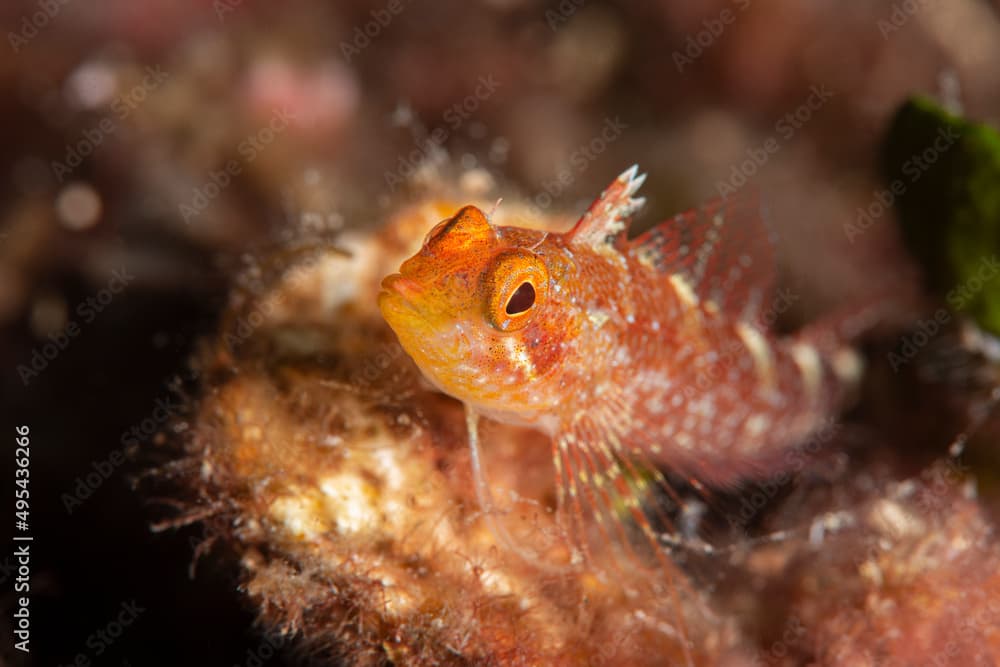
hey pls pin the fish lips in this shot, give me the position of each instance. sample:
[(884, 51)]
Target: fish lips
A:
[(396, 301), (398, 284)]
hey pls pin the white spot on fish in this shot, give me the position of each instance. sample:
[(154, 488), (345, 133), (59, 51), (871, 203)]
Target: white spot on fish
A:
[(807, 359), (847, 364), (756, 425), (519, 356), (598, 317), (683, 290), (760, 349)]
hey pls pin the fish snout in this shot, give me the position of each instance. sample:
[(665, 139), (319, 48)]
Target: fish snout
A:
[(399, 301), (404, 287)]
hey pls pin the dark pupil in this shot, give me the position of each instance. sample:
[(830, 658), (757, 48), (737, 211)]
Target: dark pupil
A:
[(522, 299)]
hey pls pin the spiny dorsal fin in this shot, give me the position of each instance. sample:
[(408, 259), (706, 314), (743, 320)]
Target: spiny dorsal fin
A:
[(723, 250), (606, 221)]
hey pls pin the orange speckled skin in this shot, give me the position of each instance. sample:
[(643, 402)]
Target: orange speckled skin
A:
[(612, 341), (437, 307)]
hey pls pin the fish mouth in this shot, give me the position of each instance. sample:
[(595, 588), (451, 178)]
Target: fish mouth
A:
[(397, 299), (403, 287)]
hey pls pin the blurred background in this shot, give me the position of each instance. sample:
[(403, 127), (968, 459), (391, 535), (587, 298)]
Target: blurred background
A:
[(151, 149)]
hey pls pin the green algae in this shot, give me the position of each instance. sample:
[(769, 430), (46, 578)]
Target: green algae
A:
[(948, 169)]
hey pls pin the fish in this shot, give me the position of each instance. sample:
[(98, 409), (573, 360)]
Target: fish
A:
[(637, 357)]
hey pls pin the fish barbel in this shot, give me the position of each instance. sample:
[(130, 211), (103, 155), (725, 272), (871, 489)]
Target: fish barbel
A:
[(634, 355)]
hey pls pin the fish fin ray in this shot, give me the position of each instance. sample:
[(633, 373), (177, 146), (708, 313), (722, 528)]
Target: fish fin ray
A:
[(600, 497), (617, 482), (607, 220), (485, 497), (723, 250)]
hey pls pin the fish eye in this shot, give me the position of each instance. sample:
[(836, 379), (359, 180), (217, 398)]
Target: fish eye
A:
[(515, 283), (522, 299), (435, 230)]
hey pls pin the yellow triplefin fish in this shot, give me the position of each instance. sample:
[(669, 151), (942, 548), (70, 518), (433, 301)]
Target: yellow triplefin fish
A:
[(634, 356)]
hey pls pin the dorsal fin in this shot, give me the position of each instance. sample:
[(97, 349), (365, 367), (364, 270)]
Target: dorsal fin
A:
[(723, 250), (606, 221)]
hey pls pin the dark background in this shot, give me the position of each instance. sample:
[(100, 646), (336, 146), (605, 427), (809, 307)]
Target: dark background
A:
[(564, 68)]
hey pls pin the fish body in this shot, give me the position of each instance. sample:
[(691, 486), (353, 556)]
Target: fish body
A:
[(631, 354)]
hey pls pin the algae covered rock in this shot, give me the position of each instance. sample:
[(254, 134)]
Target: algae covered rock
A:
[(945, 171)]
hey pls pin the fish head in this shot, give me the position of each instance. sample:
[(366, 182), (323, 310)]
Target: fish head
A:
[(472, 308)]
